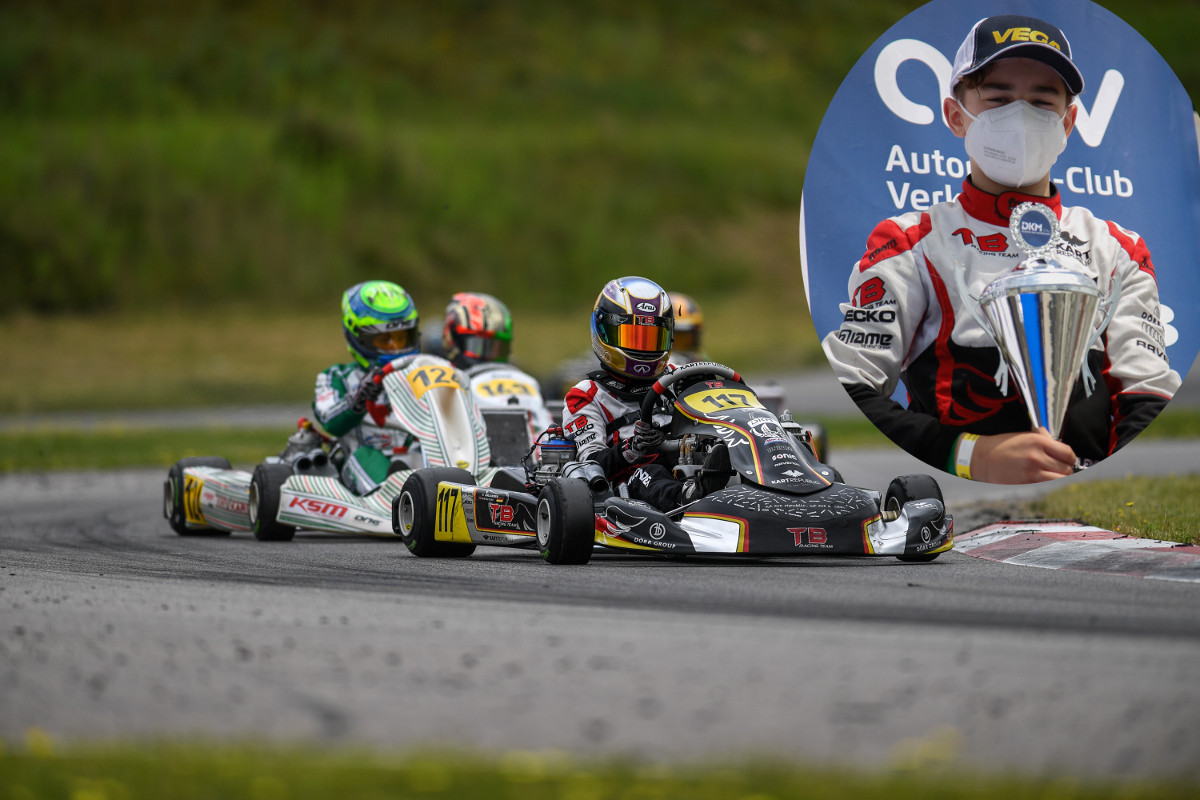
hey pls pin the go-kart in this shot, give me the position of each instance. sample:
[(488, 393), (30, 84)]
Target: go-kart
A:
[(301, 487), (779, 499)]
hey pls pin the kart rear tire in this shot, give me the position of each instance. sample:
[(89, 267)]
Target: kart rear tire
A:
[(173, 508), (264, 503), (904, 488), (414, 513), (566, 522)]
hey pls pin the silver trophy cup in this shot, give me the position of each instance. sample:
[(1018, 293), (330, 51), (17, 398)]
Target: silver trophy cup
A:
[(1043, 318)]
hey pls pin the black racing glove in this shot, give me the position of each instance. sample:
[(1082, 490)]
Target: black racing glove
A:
[(369, 389), (645, 440)]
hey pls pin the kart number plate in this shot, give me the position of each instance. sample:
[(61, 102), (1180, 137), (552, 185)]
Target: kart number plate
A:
[(422, 379), (499, 387), (710, 400), (193, 488)]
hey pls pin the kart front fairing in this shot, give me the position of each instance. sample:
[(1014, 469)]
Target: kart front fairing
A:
[(760, 450), (748, 520)]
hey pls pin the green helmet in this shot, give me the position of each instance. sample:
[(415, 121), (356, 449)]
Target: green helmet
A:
[(380, 322)]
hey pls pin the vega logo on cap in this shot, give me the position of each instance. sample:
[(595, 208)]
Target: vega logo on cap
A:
[(1024, 35)]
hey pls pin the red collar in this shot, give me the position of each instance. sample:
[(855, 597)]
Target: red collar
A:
[(994, 209)]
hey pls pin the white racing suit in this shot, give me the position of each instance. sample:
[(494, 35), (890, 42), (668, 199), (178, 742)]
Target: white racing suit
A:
[(906, 321), (599, 415), (371, 447)]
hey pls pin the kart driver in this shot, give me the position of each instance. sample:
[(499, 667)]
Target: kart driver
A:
[(687, 345), (477, 338), (631, 329), (379, 321), (1011, 99)]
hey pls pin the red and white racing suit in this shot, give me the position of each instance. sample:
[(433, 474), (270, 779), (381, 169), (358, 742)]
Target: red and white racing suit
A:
[(599, 415), (906, 321)]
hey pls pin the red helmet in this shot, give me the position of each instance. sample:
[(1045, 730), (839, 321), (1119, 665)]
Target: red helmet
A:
[(478, 329), (632, 328)]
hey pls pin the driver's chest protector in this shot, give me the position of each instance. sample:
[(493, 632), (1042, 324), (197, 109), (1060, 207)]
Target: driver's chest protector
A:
[(597, 417)]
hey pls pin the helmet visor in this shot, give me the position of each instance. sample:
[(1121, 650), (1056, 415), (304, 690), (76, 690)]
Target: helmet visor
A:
[(391, 341), (636, 332), (484, 348), (687, 341)]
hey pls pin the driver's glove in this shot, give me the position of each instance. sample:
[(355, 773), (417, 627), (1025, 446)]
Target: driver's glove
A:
[(645, 440), (368, 390)]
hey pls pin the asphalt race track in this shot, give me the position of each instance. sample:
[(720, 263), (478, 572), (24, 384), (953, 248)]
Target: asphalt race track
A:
[(113, 626)]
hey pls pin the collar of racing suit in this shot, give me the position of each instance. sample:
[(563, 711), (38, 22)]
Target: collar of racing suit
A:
[(996, 208), (627, 390)]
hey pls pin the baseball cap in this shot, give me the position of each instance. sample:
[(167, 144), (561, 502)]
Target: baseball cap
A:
[(1013, 35)]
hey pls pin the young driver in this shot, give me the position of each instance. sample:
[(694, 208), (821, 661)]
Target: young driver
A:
[(1011, 99), (631, 329)]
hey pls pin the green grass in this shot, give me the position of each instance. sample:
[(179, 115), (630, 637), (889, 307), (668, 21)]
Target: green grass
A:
[(127, 448), (235, 356), (1146, 507), (192, 772)]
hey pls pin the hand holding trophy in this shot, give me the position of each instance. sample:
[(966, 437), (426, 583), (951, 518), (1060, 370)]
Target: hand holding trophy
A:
[(1042, 316)]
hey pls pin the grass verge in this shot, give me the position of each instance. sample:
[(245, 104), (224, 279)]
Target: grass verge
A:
[(129, 448), (191, 772), (1145, 507)]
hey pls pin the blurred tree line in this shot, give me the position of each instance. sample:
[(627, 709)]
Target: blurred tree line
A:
[(167, 152)]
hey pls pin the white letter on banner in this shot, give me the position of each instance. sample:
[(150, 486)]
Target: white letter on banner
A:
[(886, 67), (1093, 125)]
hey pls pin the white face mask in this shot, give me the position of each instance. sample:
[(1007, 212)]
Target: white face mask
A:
[(1015, 144)]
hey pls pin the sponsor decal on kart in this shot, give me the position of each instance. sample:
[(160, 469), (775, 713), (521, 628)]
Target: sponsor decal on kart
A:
[(811, 537), (317, 508), (494, 513), (232, 505)]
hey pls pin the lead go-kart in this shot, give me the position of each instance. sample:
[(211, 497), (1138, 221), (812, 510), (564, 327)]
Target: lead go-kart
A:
[(426, 396), (779, 500)]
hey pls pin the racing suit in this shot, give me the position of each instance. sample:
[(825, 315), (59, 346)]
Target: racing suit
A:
[(906, 321), (372, 448), (599, 415)]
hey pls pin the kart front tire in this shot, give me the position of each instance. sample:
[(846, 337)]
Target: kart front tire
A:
[(173, 498), (265, 484), (414, 513), (566, 522), (904, 488)]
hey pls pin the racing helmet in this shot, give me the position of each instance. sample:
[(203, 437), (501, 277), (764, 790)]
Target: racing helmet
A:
[(689, 323), (632, 327), (380, 322), (478, 330)]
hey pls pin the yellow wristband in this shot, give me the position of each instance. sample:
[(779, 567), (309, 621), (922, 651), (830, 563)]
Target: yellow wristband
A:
[(962, 454)]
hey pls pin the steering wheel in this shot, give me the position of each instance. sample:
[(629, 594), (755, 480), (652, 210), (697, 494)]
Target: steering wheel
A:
[(690, 373)]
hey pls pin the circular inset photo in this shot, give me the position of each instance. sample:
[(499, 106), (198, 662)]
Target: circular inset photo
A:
[(1000, 223)]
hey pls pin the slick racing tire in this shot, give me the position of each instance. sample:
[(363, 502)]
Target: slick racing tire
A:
[(566, 522), (264, 503), (414, 513), (912, 487), (173, 499)]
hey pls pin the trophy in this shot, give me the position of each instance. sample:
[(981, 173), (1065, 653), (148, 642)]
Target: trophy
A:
[(1042, 316)]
